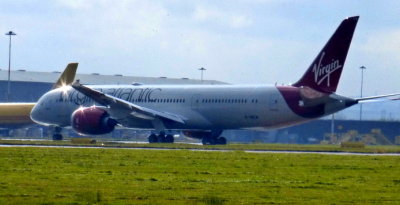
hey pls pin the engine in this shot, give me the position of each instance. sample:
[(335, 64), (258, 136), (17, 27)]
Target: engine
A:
[(92, 121)]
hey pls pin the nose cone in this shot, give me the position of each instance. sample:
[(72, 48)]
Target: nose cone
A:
[(39, 112), (49, 110)]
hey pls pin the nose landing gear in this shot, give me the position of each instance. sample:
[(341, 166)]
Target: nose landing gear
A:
[(57, 133)]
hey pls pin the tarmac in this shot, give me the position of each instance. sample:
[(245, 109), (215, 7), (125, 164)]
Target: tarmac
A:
[(210, 150)]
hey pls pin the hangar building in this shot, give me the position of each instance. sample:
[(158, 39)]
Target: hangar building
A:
[(28, 86)]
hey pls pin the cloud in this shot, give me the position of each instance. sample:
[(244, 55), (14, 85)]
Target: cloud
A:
[(378, 51), (245, 42), (261, 1), (107, 24), (226, 18), (76, 4), (384, 45), (133, 15), (144, 34)]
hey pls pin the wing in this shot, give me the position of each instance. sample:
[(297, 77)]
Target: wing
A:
[(120, 108)]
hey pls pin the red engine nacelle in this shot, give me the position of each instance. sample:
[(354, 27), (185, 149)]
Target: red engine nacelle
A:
[(92, 121)]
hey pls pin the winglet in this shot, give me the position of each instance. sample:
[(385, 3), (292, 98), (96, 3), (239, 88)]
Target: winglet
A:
[(67, 77)]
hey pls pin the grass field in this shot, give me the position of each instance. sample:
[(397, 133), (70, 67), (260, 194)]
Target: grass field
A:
[(120, 176)]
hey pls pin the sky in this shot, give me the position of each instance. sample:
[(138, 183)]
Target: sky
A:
[(239, 42)]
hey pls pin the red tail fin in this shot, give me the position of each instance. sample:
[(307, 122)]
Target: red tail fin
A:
[(324, 73)]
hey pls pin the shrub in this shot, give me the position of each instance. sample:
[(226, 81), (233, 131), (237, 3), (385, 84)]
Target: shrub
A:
[(83, 141)]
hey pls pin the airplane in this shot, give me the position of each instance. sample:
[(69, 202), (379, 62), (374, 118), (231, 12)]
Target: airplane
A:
[(204, 111), (15, 115)]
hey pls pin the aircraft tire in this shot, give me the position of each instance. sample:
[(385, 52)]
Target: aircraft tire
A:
[(204, 141), (57, 137), (207, 140), (221, 140), (153, 138), (169, 139)]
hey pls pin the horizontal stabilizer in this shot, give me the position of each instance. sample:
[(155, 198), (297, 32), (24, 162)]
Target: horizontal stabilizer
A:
[(379, 98)]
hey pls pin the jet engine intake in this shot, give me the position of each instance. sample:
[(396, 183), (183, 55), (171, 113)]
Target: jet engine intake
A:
[(92, 121)]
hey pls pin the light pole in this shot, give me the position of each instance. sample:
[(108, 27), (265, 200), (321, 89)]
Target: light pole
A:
[(202, 70), (361, 91), (10, 33), (332, 128)]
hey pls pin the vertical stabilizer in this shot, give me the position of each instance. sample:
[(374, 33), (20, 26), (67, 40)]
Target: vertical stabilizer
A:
[(324, 73), (67, 77)]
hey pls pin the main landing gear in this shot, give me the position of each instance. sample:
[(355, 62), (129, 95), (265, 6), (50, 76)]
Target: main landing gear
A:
[(161, 138), (212, 140), (212, 137)]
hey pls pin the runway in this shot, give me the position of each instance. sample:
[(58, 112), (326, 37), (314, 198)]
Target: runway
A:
[(212, 150)]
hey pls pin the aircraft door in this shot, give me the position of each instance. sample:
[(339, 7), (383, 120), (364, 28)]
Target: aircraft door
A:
[(273, 102), (195, 101)]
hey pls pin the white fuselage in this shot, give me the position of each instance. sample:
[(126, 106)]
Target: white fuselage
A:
[(204, 107)]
